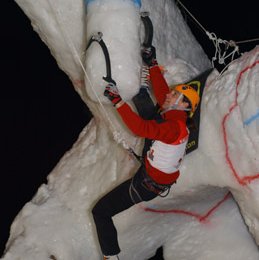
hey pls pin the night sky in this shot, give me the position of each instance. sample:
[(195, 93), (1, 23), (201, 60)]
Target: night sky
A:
[(42, 115)]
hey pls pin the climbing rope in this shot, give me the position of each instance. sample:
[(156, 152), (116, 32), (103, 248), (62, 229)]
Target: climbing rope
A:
[(220, 55), (117, 135)]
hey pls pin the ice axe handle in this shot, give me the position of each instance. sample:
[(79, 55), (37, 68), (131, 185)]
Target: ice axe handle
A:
[(148, 26)]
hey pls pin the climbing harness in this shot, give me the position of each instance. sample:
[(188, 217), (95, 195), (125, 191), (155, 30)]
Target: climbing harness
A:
[(145, 181), (162, 190)]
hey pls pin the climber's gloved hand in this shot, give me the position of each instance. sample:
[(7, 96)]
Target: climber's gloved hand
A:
[(112, 93), (149, 56)]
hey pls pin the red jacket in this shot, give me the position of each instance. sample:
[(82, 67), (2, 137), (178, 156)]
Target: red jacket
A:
[(169, 131)]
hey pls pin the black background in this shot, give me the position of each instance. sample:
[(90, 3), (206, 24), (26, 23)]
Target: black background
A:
[(42, 115)]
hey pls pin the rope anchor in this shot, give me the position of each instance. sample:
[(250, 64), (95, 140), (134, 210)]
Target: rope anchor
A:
[(221, 57), (217, 41)]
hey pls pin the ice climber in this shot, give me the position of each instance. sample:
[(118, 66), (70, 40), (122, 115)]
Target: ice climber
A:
[(166, 135)]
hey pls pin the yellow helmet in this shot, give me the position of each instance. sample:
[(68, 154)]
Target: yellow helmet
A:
[(190, 93)]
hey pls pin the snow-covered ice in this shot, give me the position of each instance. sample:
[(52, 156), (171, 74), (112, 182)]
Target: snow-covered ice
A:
[(212, 212)]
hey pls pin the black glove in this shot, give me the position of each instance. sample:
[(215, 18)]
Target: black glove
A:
[(149, 56), (112, 93)]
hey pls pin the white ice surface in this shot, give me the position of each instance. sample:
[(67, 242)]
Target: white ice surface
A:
[(199, 220)]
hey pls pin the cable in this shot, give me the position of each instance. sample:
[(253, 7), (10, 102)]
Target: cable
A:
[(251, 40), (191, 15)]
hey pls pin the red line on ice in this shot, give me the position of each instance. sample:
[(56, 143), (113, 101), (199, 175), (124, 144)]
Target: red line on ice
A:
[(198, 216), (246, 179)]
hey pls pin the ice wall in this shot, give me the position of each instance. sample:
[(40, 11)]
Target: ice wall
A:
[(57, 223)]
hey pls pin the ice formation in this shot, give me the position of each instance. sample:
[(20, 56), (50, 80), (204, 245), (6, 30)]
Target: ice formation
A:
[(200, 218)]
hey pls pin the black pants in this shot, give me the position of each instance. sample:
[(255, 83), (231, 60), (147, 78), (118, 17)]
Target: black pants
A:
[(126, 194), (119, 199)]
